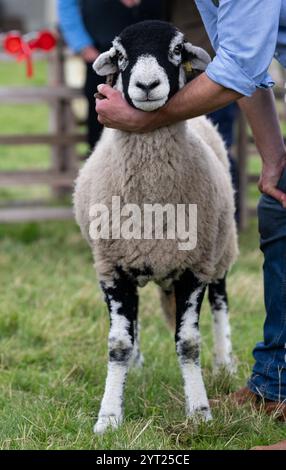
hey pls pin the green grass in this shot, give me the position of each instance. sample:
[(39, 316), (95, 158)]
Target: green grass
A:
[(53, 335), (54, 326)]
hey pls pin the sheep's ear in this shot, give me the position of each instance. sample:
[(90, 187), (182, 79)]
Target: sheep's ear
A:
[(196, 58), (106, 63)]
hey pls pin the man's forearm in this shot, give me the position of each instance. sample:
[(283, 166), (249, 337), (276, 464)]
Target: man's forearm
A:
[(262, 116), (201, 96)]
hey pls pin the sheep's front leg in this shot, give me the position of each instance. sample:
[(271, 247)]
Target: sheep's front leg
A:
[(222, 333), (122, 300), (189, 296)]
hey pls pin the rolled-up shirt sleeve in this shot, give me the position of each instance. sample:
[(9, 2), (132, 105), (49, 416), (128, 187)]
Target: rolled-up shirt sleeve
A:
[(244, 36), (72, 26)]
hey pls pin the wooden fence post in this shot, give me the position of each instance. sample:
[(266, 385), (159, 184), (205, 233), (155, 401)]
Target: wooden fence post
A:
[(62, 121)]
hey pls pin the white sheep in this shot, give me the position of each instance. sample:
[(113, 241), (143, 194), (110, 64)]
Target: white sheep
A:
[(172, 167)]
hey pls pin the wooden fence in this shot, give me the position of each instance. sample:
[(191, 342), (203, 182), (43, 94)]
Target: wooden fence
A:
[(61, 139)]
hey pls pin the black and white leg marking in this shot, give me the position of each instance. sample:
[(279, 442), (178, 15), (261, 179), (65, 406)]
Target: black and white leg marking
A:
[(222, 333), (122, 300), (137, 357), (189, 296)]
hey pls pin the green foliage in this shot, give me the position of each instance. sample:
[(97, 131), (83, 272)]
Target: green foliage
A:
[(53, 353)]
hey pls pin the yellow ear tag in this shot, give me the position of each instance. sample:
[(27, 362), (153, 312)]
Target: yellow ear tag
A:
[(188, 67)]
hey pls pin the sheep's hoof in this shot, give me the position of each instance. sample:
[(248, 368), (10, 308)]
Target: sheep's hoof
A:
[(105, 422), (200, 414)]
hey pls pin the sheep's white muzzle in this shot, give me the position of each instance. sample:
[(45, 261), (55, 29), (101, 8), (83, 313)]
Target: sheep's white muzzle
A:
[(149, 86), (149, 105)]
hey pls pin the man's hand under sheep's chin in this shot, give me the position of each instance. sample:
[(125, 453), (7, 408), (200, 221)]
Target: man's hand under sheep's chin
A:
[(115, 112)]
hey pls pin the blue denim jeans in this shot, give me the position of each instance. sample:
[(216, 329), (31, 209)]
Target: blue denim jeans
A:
[(269, 372)]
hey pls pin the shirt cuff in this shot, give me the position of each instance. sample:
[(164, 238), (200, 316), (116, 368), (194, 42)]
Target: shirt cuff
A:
[(225, 71)]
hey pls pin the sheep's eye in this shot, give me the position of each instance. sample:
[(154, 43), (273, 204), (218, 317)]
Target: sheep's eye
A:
[(178, 49)]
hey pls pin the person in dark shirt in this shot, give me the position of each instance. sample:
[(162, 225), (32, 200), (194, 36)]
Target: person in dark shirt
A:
[(89, 26)]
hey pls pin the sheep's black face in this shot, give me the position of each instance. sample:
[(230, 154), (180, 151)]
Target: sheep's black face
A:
[(149, 58)]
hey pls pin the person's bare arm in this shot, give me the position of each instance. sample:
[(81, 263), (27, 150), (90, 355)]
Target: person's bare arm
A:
[(198, 97), (262, 116)]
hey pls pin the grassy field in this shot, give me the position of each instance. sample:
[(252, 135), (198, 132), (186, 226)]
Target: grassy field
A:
[(53, 335)]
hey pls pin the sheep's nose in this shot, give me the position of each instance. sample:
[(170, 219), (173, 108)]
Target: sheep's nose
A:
[(149, 87)]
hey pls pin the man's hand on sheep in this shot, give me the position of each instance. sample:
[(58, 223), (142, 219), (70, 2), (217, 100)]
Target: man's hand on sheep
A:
[(115, 112), (201, 96)]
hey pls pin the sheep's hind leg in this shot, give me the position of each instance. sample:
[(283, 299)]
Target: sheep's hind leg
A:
[(137, 360), (222, 332), (189, 296), (122, 300)]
